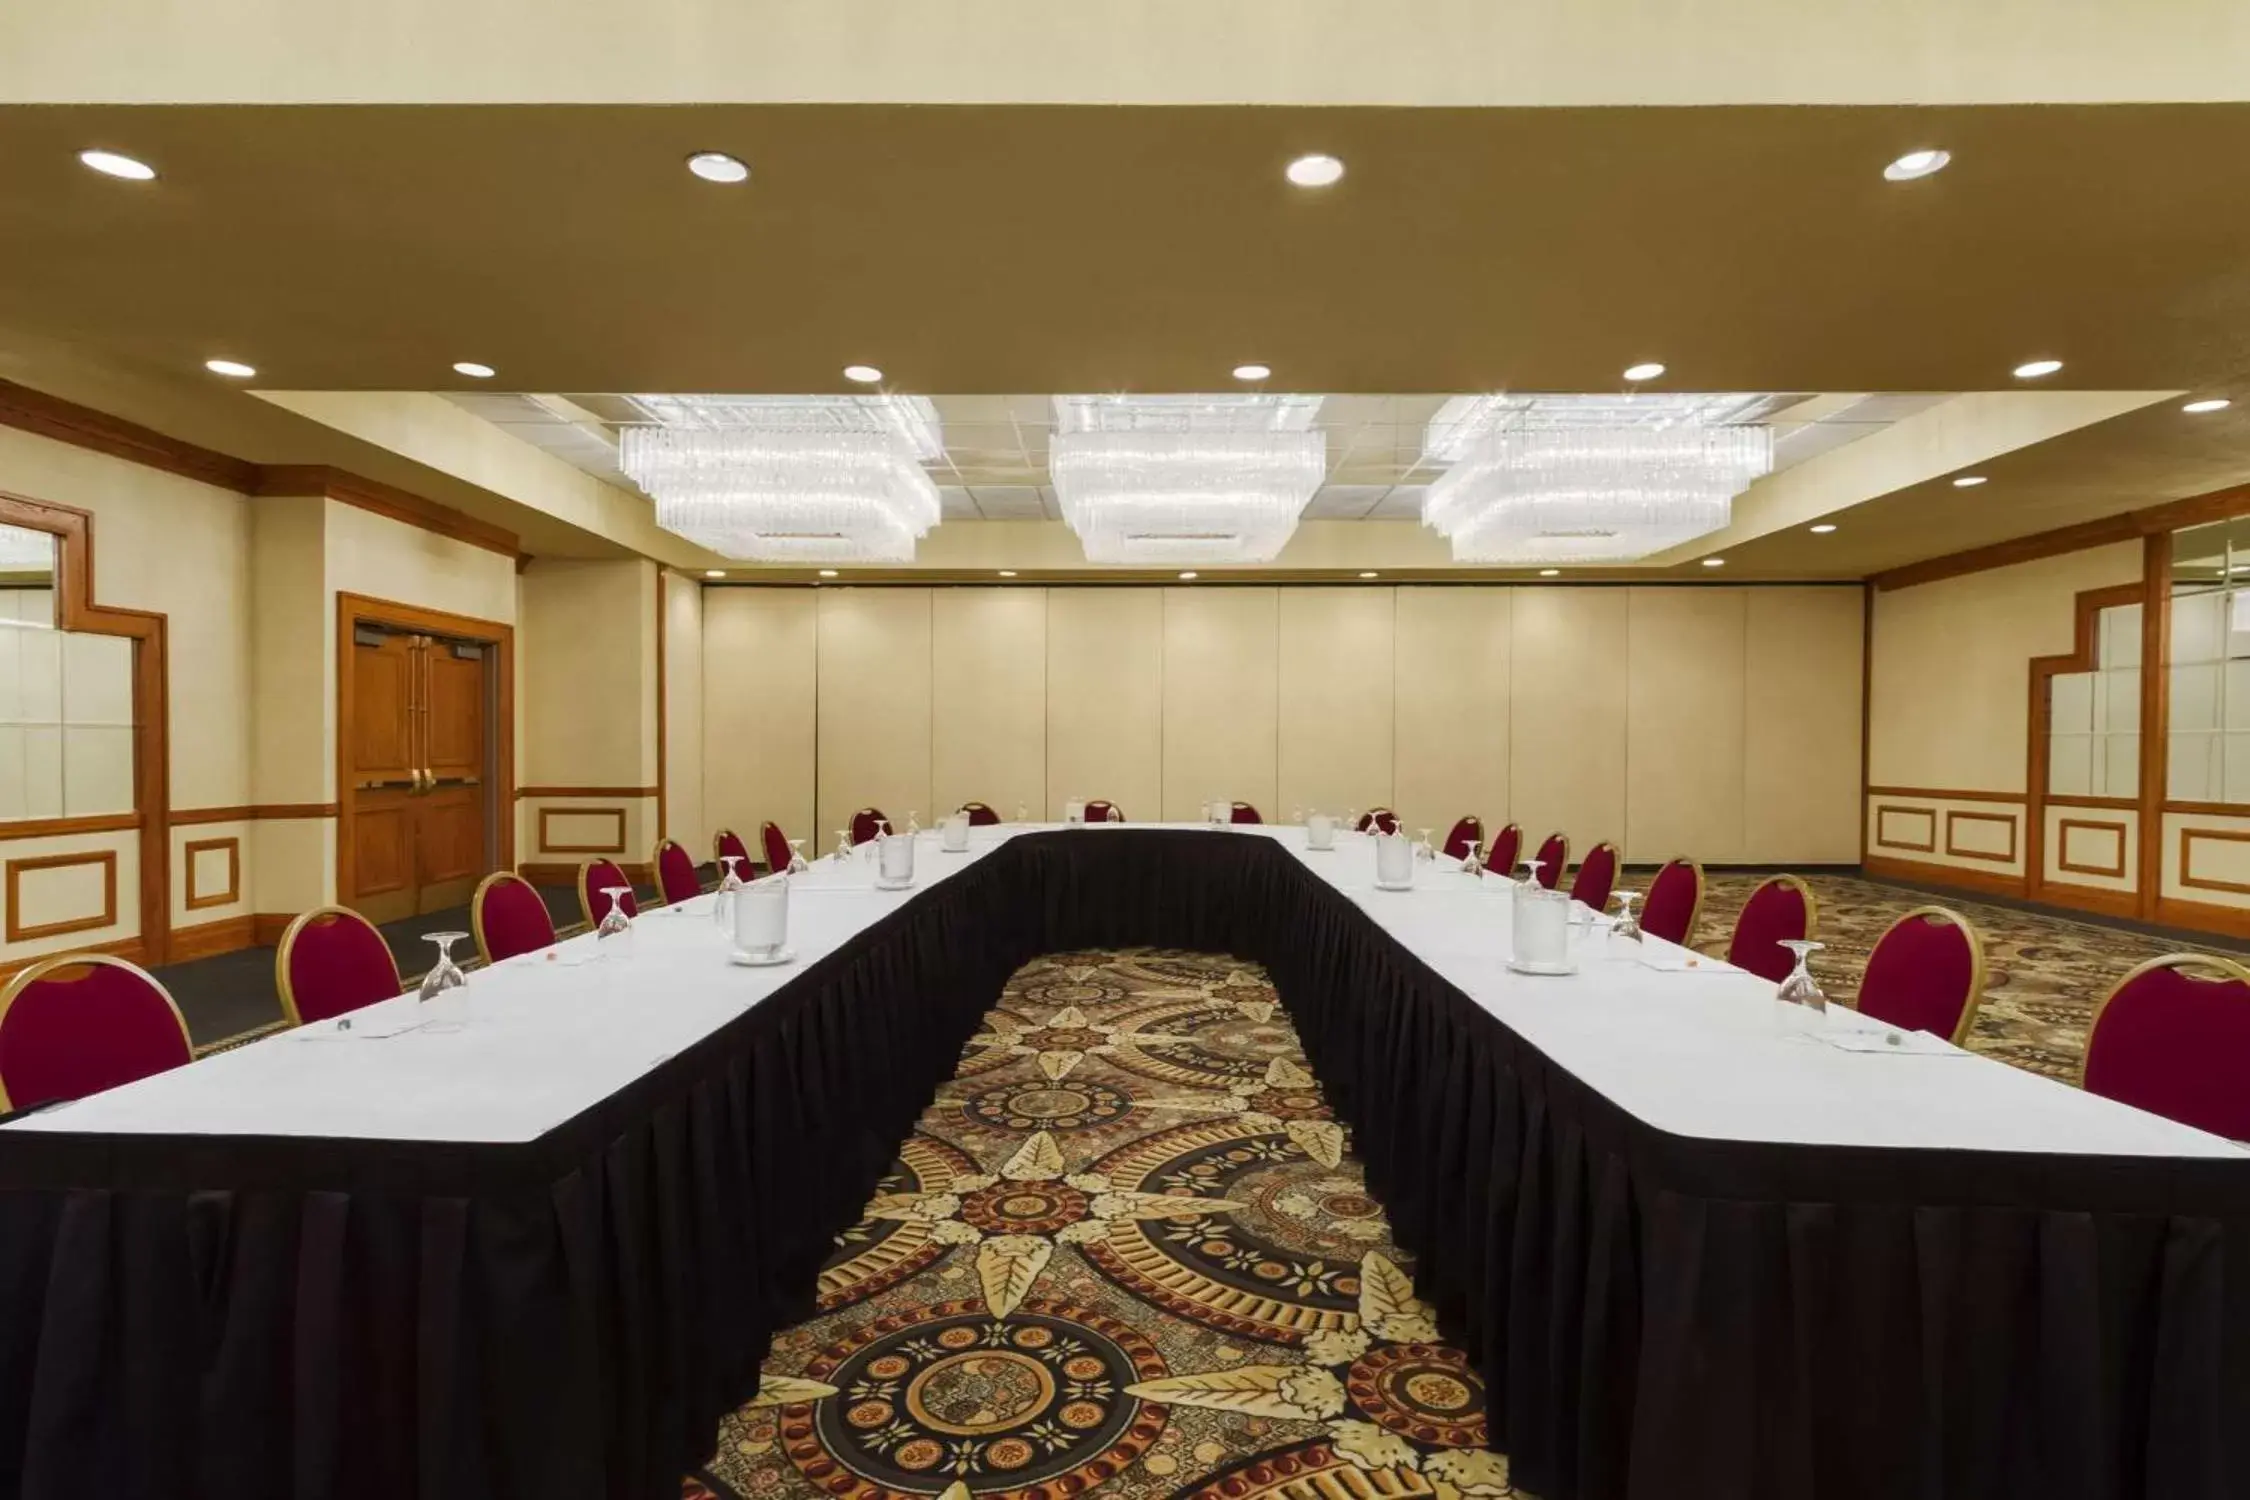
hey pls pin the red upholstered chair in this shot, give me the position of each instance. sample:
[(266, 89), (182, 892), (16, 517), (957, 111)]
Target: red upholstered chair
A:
[(1382, 819), (596, 876), (778, 852), (866, 823), (508, 916), (1507, 848), (1553, 855), (725, 842), (1926, 974), (1244, 813), (1466, 831), (331, 962), (982, 816), (79, 1023), (1597, 876), (1781, 909), (674, 871), (1674, 902), (1103, 812), (2174, 1039)]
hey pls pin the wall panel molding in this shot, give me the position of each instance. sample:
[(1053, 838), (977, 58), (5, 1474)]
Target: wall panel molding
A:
[(1954, 847), (198, 897), (19, 931), (1924, 842), (2189, 836), (2114, 869), (612, 844)]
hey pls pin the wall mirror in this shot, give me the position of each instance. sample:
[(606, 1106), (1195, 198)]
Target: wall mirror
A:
[(2094, 717), (66, 697), (2208, 752)]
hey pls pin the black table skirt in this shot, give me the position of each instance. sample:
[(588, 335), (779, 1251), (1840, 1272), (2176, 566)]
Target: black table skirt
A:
[(1654, 1316)]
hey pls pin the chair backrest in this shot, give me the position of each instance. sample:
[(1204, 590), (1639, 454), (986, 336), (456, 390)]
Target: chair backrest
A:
[(508, 916), (1244, 813), (1553, 854), (778, 852), (2173, 1038), (79, 1023), (674, 871), (982, 816), (1466, 831), (596, 876), (1382, 819), (331, 962), (1781, 909), (1103, 812), (725, 842), (866, 823), (1925, 974), (1507, 848), (1675, 901), (1597, 876)]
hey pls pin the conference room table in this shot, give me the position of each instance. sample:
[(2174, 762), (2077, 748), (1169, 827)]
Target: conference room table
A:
[(1696, 1243)]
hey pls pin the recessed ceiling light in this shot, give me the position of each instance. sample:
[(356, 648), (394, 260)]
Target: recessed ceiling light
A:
[(472, 369), (1968, 481), (714, 572), (234, 367), (717, 166), (1824, 528), (111, 164), (1917, 164), (1251, 372), (828, 572), (1007, 572), (1648, 371), (1190, 573), (2208, 403), (1369, 574), (2036, 368), (1550, 572), (864, 374), (1714, 562), (1315, 170)]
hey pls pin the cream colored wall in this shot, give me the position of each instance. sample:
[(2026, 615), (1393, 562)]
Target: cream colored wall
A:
[(683, 716), (586, 683), (1714, 721)]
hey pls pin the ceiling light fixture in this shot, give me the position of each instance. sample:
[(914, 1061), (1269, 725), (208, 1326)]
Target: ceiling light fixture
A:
[(1185, 478), (2208, 403), (2036, 369), (1915, 164), (1316, 170), (1190, 573), (115, 164), (863, 374), (799, 479), (1714, 562), (1968, 481), (1007, 572), (1550, 572), (717, 166), (1648, 371), (714, 572), (1368, 575), (234, 368), (472, 369), (1251, 372), (828, 572), (1824, 528)]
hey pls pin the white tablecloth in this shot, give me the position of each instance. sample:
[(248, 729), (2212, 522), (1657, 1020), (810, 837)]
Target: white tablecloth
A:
[(1700, 1052)]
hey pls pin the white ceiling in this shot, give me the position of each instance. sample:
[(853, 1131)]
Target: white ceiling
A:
[(995, 462)]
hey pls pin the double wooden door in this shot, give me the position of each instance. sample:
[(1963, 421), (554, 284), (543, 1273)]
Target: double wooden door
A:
[(418, 736)]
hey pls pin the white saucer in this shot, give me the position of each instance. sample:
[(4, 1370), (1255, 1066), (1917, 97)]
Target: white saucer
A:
[(1379, 885), (752, 961), (1519, 966), (1320, 848), (894, 885)]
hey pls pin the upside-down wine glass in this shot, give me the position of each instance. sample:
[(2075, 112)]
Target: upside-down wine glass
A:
[(843, 843), (447, 1008), (615, 923), (1424, 849), (797, 856), (1800, 988), (1472, 863), (722, 905), (1627, 927)]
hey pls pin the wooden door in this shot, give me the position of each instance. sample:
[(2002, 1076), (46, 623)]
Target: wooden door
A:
[(418, 732)]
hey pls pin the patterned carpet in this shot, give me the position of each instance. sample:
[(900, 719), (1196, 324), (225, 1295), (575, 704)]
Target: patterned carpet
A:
[(1128, 1248)]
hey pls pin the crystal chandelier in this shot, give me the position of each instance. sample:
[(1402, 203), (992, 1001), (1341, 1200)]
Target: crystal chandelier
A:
[(799, 479), (1184, 479), (1525, 488)]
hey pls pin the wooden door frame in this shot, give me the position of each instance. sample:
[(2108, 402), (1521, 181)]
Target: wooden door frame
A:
[(354, 608), (75, 609)]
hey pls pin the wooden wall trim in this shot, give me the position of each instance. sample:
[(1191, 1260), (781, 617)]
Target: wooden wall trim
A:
[(1928, 846), (552, 872), (2111, 804), (1983, 881), (547, 844), (2085, 642), (663, 609), (2209, 809), (130, 949), (1954, 850), (17, 932), (197, 899), (210, 939), (524, 793), (32, 411), (2156, 710), (2098, 825), (1946, 794), (49, 828), (251, 813), (2154, 520), (2188, 836), (386, 500)]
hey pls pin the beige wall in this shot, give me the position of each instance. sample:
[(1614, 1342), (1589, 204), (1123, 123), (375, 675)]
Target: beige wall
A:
[(1721, 722), (586, 682), (684, 819)]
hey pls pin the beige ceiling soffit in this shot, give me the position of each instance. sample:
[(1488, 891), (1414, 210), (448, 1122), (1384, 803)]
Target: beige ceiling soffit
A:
[(1285, 52), (434, 432), (1967, 430)]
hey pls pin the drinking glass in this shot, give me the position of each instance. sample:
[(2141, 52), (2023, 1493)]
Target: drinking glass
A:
[(1113, 815), (1627, 927), (1530, 872), (1424, 849), (1800, 988), (843, 843), (913, 823), (445, 987), (797, 856), (1297, 815), (615, 923), (1023, 813), (1351, 820), (722, 905), (1472, 862)]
